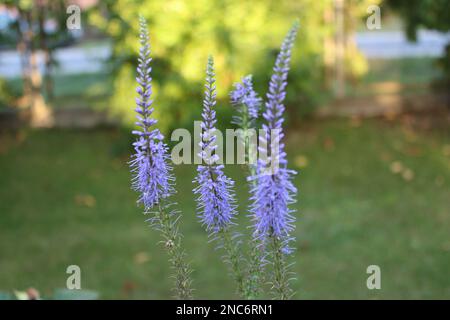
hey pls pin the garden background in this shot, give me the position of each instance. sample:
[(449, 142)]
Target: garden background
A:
[(368, 131)]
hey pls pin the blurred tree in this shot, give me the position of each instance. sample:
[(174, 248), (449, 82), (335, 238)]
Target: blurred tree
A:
[(348, 63), (30, 32), (243, 35), (428, 14), (6, 96), (356, 64)]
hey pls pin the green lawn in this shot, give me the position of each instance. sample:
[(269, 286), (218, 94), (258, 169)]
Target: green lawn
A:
[(65, 199), (402, 75), (403, 70)]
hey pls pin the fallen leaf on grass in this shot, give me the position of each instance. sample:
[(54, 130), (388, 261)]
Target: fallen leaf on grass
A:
[(396, 167), (85, 200), (446, 150), (141, 257), (408, 175), (413, 151), (328, 144), (355, 122), (390, 115), (301, 161), (128, 288)]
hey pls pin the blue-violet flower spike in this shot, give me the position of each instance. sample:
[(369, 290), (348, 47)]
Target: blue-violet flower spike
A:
[(274, 190), (246, 101), (152, 176), (216, 201)]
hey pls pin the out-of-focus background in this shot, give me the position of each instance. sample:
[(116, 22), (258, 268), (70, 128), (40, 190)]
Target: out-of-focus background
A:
[(367, 121)]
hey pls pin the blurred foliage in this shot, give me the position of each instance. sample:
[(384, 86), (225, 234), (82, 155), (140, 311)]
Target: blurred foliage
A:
[(25, 12), (429, 14), (357, 65), (444, 64), (243, 36), (355, 11), (7, 95), (36, 26)]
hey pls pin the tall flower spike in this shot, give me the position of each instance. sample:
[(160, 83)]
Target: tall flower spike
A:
[(246, 101), (274, 190), (216, 200), (152, 176)]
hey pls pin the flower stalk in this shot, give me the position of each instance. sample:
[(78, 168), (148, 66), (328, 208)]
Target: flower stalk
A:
[(233, 258), (274, 191), (247, 103), (216, 201), (152, 174), (165, 222), (271, 187)]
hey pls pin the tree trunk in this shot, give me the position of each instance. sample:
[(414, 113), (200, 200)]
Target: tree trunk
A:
[(46, 51), (41, 114), (340, 50)]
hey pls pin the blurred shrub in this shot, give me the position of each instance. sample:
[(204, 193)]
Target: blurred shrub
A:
[(445, 61), (428, 14), (7, 95), (356, 63), (243, 35)]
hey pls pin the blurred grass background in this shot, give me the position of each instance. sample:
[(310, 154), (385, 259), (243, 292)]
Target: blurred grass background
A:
[(371, 192)]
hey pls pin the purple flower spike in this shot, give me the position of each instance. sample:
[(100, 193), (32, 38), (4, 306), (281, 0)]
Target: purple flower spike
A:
[(216, 201), (274, 190), (247, 102), (152, 176)]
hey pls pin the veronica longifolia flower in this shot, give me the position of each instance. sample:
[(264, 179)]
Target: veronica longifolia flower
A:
[(246, 101), (216, 201), (151, 173), (274, 190)]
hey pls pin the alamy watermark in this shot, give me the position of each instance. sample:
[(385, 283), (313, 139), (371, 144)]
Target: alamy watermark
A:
[(374, 280), (373, 21), (236, 146), (73, 21), (73, 282)]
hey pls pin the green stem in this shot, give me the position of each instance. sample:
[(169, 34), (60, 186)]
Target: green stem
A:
[(176, 253), (234, 259), (255, 273), (254, 279), (255, 267), (280, 281)]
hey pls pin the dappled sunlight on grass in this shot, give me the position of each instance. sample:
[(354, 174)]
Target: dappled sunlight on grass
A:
[(65, 199)]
